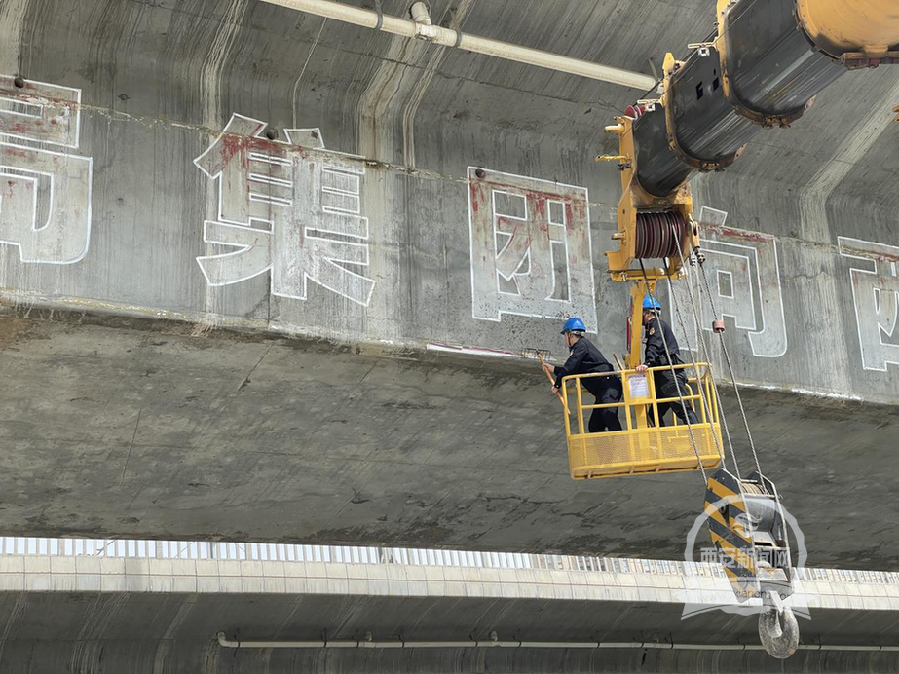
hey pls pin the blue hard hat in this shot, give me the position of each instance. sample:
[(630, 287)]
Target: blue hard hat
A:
[(574, 324), (651, 304)]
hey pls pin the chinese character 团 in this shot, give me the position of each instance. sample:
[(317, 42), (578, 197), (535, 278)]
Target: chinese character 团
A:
[(530, 248), (875, 293), (287, 207), (45, 194)]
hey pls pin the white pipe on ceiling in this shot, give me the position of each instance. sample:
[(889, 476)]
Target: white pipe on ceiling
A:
[(448, 37), (227, 643)]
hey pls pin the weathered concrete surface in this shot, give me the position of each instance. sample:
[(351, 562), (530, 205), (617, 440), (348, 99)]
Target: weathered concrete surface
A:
[(143, 429), (132, 614), (129, 429), (159, 81)]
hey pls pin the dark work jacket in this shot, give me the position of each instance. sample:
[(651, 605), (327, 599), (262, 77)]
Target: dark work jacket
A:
[(585, 358), (655, 347)]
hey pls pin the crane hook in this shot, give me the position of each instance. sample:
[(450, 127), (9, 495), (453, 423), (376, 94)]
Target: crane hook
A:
[(778, 628)]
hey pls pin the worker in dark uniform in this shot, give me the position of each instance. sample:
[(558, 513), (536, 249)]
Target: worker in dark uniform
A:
[(668, 385), (584, 358)]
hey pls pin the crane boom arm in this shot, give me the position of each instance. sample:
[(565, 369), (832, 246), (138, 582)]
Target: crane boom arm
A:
[(761, 69)]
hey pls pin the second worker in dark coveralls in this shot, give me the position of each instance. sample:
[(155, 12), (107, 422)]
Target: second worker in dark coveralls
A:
[(584, 358), (668, 385)]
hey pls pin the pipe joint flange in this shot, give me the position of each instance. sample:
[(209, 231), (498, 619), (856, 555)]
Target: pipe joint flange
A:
[(426, 32), (424, 28)]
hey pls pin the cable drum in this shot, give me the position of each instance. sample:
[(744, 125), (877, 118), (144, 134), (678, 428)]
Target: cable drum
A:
[(659, 234), (750, 488)]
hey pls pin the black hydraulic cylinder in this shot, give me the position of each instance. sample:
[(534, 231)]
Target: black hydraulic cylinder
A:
[(774, 69)]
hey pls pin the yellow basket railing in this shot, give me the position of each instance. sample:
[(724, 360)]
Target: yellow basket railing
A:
[(640, 448)]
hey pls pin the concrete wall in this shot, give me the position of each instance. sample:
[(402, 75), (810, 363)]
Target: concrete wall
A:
[(399, 248)]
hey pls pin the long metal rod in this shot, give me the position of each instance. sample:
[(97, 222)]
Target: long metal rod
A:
[(550, 377), (472, 43), (227, 643)]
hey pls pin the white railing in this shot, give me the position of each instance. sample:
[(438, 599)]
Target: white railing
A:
[(354, 554)]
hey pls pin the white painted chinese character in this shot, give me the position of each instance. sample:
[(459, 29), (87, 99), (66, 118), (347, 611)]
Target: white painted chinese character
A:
[(289, 208), (45, 195), (875, 294), (709, 555), (530, 248), (744, 278)]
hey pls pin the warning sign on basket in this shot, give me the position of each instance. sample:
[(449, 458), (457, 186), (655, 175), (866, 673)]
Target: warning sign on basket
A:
[(639, 385)]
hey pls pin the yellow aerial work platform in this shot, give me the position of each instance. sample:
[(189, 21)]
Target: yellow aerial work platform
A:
[(639, 448)]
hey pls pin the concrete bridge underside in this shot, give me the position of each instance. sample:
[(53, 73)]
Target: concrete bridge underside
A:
[(141, 428)]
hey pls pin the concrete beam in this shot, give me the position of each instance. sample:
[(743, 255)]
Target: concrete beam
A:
[(121, 427), (369, 435), (138, 611)]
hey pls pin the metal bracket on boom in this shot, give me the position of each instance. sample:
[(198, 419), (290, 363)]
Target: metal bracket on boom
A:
[(702, 48), (623, 161), (858, 60)]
